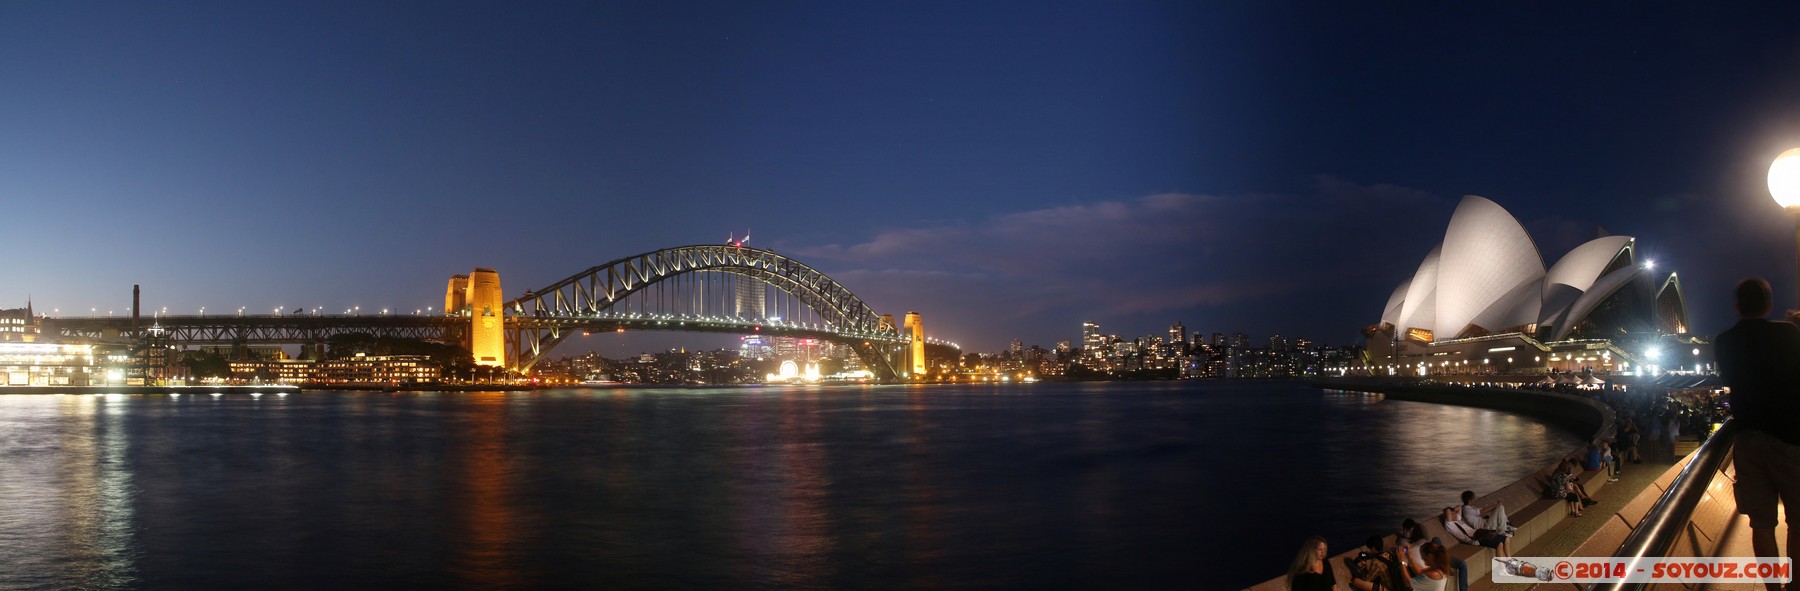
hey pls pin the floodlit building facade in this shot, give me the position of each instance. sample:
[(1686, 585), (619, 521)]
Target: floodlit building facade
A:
[(360, 369), (19, 324), (1483, 301), (46, 364)]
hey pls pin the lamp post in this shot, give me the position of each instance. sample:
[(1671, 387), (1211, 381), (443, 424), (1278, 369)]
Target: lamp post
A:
[(1784, 186)]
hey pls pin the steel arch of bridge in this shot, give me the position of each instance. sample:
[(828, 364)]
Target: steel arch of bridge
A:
[(543, 318)]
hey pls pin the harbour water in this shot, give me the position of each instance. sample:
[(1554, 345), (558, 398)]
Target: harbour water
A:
[(1208, 485)]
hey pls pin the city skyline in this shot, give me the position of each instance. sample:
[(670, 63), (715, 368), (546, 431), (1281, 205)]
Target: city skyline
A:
[(1004, 172)]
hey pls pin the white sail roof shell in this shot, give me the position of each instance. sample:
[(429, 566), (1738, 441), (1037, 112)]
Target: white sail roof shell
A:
[(1391, 313), (1418, 309), (1582, 267), (1488, 274), (1487, 256)]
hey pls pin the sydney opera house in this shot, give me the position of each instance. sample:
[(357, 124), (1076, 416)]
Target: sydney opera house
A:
[(1483, 302)]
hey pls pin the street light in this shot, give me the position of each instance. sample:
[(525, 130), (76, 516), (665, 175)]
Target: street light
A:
[(1784, 186)]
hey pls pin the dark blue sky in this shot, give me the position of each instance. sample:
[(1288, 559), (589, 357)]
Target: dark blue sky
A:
[(1007, 169)]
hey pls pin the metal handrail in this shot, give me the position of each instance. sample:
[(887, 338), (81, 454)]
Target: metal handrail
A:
[(1656, 534)]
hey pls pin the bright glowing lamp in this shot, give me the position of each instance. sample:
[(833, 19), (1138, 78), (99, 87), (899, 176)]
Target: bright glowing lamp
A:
[(1784, 186), (1784, 178)]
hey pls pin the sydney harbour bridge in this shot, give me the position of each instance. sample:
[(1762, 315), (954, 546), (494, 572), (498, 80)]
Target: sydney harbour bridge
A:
[(725, 288)]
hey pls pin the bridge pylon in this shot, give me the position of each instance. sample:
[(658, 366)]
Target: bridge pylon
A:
[(477, 297)]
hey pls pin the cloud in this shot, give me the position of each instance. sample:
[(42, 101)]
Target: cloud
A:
[(1207, 260)]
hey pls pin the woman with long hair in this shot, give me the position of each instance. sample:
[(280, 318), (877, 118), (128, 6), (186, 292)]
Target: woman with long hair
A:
[(1437, 568), (1412, 535), (1310, 572)]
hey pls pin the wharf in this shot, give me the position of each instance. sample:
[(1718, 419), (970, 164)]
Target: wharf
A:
[(46, 390)]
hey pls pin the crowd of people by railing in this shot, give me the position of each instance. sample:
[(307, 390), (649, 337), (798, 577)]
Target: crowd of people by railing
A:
[(1759, 363), (1416, 562)]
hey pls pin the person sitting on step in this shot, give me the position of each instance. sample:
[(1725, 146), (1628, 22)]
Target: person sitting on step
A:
[(1490, 517), (1474, 536)]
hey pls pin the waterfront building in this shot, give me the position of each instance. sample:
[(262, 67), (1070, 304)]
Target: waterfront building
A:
[(286, 371), (382, 369), (246, 352), (19, 324), (360, 369), (46, 364), (1482, 301)]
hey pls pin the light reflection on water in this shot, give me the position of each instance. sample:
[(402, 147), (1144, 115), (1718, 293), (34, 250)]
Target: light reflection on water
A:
[(1052, 485)]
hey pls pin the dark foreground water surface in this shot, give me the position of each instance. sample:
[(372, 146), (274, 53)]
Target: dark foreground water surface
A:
[(1127, 485)]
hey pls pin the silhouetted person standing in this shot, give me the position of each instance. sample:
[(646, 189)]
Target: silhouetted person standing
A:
[(1760, 361)]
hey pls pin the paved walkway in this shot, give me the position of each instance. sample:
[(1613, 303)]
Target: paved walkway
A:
[(1565, 537)]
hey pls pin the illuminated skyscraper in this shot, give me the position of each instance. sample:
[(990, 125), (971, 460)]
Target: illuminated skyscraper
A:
[(750, 298), (753, 347), (1092, 342), (916, 353), (456, 296), (487, 330)]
